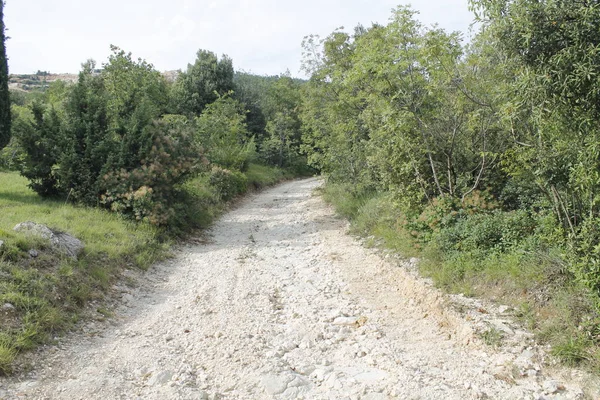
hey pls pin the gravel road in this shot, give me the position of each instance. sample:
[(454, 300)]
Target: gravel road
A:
[(280, 303)]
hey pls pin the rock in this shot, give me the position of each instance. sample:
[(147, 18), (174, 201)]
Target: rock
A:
[(8, 307), (160, 378), (371, 376), (275, 384), (128, 298), (503, 309), (1, 244), (202, 395), (33, 253), (552, 386), (63, 242)]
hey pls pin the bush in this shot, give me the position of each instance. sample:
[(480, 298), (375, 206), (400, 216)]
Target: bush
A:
[(150, 192), (496, 232), (228, 184)]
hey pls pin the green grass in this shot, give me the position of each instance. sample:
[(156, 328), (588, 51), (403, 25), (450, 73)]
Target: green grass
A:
[(48, 292), (260, 176)]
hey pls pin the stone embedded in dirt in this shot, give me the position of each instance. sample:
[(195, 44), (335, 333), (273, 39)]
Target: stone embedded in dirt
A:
[(503, 309), (552, 386), (33, 253), (276, 384), (160, 378), (63, 242), (8, 307)]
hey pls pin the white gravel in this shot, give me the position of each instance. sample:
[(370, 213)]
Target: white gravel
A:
[(281, 303)]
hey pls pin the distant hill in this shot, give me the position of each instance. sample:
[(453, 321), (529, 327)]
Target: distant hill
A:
[(42, 79)]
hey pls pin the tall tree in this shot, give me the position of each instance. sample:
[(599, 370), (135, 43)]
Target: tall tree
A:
[(4, 94), (202, 83)]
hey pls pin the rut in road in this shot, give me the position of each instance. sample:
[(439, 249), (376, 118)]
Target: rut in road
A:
[(281, 303)]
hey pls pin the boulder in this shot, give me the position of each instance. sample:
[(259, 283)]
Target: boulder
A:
[(63, 242)]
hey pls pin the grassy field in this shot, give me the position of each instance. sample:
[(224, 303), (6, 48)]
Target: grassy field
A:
[(48, 291), (43, 296)]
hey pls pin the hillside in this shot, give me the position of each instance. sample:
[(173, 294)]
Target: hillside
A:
[(42, 79)]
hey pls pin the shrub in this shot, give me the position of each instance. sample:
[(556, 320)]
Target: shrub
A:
[(228, 184), (107, 144), (497, 231), (149, 192)]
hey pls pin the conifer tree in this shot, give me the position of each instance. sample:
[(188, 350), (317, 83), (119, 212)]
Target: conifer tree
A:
[(4, 94)]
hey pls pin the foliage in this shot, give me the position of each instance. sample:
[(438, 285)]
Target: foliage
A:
[(228, 184), (105, 143), (150, 192), (554, 111), (222, 130), (202, 83), (252, 91), (484, 156)]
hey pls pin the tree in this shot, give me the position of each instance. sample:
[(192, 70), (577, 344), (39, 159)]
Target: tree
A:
[(202, 83), (222, 131), (108, 143), (281, 146), (5, 121)]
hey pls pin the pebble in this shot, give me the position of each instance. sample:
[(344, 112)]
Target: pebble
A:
[(551, 386)]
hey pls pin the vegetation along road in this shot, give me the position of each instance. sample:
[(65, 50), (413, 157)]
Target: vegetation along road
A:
[(279, 302)]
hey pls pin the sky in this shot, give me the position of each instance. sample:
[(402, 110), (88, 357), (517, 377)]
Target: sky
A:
[(261, 36)]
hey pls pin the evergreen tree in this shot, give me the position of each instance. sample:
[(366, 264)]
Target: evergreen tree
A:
[(4, 94)]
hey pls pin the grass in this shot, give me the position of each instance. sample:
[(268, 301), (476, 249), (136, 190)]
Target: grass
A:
[(535, 280), (260, 176), (47, 293)]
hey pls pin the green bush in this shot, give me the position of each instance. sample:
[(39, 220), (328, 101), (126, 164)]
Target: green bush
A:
[(495, 232), (150, 192), (222, 131), (228, 184)]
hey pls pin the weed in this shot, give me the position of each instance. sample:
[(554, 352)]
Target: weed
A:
[(572, 351), (492, 337), (7, 356)]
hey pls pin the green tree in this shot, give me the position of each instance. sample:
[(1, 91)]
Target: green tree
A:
[(5, 117), (202, 83), (222, 131), (108, 143), (282, 108)]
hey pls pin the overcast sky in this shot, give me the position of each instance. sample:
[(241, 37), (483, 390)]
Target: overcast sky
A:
[(261, 36)]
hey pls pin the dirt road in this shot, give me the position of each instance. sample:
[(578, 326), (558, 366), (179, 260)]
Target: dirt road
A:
[(281, 303)]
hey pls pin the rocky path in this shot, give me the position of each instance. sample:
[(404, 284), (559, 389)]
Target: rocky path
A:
[(280, 303)]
